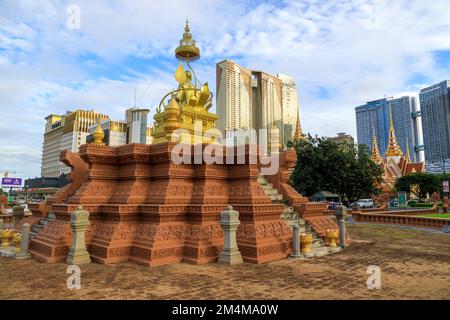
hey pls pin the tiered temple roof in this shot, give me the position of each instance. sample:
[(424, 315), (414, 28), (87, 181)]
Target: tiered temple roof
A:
[(395, 165)]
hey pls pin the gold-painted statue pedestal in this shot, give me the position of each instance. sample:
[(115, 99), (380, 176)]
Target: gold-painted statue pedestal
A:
[(183, 114)]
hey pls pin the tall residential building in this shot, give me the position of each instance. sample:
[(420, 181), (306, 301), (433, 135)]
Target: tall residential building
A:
[(65, 132), (73, 129), (250, 99), (374, 116), (435, 110), (290, 107)]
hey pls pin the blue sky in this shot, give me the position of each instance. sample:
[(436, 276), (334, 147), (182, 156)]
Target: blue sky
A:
[(341, 53)]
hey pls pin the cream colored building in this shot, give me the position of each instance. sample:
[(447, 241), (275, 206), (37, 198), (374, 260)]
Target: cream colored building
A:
[(290, 106), (249, 99), (73, 129), (65, 132), (234, 98)]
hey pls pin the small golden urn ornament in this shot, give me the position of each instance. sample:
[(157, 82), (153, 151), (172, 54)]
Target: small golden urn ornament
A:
[(332, 236), (306, 242), (17, 240), (6, 235)]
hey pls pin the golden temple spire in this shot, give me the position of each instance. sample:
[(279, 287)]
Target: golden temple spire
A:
[(393, 148), (189, 103), (172, 122), (408, 155), (375, 156), (98, 134), (187, 50), (298, 134)]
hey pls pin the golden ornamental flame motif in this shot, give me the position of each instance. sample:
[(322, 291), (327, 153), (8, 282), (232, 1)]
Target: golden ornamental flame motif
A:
[(306, 243), (6, 235), (332, 236)]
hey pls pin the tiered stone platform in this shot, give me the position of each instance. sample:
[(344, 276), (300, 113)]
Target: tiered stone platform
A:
[(146, 209)]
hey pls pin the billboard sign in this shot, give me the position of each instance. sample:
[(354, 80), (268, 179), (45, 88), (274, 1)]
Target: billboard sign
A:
[(445, 185), (12, 182)]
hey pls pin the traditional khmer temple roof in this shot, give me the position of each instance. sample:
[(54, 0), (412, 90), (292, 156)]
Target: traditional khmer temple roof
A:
[(393, 148), (395, 165), (298, 134), (375, 156)]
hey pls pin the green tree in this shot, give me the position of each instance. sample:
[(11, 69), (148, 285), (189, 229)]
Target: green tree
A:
[(423, 183), (340, 168)]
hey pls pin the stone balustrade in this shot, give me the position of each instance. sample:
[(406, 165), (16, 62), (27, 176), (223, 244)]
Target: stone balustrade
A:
[(383, 218)]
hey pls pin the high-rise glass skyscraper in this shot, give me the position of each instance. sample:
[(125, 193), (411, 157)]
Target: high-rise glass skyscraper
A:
[(435, 110), (374, 116)]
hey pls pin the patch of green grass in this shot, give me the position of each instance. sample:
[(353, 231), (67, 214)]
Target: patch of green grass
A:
[(386, 232), (436, 215)]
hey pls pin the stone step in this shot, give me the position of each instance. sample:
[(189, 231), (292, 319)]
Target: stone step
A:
[(320, 251), (37, 228), (271, 191), (267, 186), (318, 243), (44, 221), (277, 197), (261, 180), (289, 209)]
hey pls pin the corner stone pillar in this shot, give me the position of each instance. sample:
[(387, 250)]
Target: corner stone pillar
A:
[(296, 241), (229, 221), (79, 223), (18, 213), (341, 212), (24, 253)]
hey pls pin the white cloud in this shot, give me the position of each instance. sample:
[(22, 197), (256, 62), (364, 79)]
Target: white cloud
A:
[(355, 50)]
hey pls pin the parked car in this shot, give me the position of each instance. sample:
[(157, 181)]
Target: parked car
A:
[(393, 203), (332, 205), (364, 203)]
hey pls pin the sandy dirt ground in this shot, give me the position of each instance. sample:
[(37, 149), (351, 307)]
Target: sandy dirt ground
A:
[(414, 264)]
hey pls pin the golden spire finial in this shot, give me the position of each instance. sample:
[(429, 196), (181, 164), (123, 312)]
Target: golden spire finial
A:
[(375, 156), (187, 28), (298, 133), (393, 148), (98, 134), (187, 50), (408, 155)]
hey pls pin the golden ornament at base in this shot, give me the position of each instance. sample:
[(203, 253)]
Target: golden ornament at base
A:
[(6, 235), (306, 243), (17, 240), (332, 236)]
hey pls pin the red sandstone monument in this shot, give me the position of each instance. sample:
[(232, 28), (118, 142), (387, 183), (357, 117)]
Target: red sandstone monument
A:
[(146, 209)]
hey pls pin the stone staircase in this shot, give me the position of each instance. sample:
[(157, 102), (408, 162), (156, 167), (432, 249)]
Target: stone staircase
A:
[(291, 218), (270, 191), (36, 228)]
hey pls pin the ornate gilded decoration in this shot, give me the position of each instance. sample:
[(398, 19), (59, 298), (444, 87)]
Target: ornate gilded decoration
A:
[(332, 236), (98, 135), (306, 242), (393, 149), (298, 134), (190, 99), (408, 155), (375, 155)]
